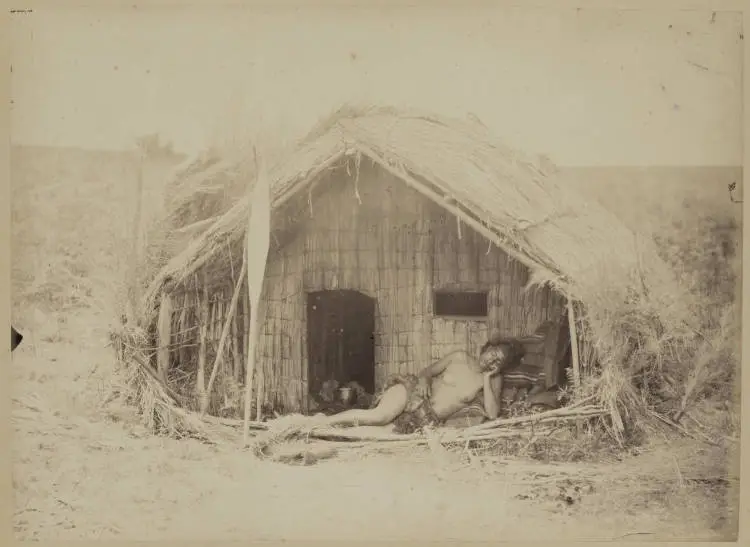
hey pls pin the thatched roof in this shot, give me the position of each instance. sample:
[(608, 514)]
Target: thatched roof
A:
[(512, 198)]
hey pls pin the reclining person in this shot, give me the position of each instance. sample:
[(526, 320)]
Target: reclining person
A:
[(440, 390)]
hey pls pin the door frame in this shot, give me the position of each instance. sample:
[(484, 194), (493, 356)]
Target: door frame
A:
[(306, 341)]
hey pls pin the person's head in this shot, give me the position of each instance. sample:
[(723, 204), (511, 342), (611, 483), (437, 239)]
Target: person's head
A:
[(492, 356), (498, 352)]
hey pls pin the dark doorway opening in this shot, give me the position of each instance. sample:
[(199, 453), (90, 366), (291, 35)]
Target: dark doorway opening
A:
[(340, 339)]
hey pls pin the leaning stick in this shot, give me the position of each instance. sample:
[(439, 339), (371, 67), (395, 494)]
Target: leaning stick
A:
[(582, 412), (225, 330)]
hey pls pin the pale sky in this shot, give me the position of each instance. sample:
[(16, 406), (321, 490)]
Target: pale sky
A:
[(584, 87)]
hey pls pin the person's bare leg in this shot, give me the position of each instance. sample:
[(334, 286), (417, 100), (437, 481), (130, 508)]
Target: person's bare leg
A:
[(392, 403)]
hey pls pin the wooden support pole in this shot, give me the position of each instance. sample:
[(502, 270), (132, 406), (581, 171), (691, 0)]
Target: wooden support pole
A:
[(261, 375), (236, 362), (182, 353), (245, 334), (200, 378), (256, 249), (164, 336), (259, 393), (252, 340), (574, 345), (574, 358)]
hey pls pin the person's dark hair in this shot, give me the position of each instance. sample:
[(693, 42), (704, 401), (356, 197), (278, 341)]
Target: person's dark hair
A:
[(514, 347)]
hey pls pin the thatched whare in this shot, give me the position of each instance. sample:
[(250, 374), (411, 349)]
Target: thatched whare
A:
[(397, 236)]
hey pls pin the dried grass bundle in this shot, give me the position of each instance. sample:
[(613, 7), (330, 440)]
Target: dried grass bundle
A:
[(281, 430)]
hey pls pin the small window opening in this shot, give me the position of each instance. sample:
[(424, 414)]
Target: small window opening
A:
[(460, 303)]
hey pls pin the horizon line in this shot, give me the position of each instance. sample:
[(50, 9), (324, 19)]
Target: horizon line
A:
[(557, 164)]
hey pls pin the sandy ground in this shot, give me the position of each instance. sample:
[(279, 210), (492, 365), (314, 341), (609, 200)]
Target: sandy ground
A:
[(85, 471)]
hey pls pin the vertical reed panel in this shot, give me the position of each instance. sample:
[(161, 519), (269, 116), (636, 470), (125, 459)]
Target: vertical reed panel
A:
[(200, 379), (164, 335), (183, 336), (236, 362), (245, 328), (422, 289), (396, 247), (221, 319), (298, 321), (355, 278)]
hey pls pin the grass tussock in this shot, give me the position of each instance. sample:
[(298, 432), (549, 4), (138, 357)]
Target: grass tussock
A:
[(667, 355)]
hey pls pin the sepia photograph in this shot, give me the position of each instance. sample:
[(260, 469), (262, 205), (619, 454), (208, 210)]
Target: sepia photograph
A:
[(357, 273)]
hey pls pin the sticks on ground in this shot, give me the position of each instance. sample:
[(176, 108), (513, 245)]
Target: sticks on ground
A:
[(174, 396), (286, 429), (560, 414)]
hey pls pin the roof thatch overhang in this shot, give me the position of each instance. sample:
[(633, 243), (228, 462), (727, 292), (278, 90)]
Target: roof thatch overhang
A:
[(510, 198)]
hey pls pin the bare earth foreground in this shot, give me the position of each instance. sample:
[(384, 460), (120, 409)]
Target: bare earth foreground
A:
[(85, 471)]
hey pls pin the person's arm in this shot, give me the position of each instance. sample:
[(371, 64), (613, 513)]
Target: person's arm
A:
[(438, 367), (493, 389), (426, 375)]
